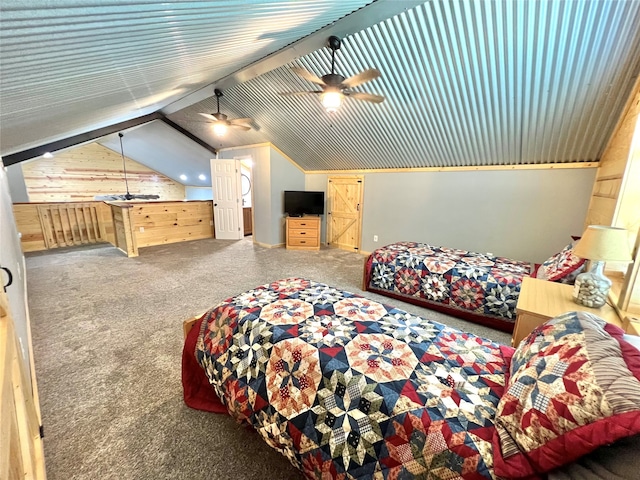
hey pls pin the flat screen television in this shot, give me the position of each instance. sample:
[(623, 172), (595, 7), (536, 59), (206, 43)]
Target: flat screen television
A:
[(298, 203)]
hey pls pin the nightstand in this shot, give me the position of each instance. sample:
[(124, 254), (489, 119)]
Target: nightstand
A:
[(541, 300), (631, 325)]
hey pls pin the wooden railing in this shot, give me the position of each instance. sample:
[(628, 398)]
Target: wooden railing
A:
[(68, 224), (45, 226)]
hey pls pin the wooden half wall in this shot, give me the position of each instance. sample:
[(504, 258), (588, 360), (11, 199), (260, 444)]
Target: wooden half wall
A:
[(156, 223), (128, 226)]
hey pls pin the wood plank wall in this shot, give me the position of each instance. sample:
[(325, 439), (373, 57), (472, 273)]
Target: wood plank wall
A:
[(612, 167), (124, 234), (82, 173), (157, 223), (21, 455), (615, 199)]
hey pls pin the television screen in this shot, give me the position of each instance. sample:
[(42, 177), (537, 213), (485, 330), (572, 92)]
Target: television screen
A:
[(298, 203)]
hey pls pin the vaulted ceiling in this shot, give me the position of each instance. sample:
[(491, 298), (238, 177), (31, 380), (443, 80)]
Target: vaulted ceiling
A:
[(466, 82)]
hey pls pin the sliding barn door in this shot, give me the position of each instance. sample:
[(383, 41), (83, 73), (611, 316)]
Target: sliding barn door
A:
[(344, 219)]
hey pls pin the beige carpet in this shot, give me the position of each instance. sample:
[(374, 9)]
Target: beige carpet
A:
[(107, 333)]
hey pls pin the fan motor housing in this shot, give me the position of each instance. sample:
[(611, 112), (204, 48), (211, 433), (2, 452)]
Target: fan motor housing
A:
[(332, 79)]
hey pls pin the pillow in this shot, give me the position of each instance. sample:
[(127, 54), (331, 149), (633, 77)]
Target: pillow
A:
[(574, 385), (563, 265), (571, 278)]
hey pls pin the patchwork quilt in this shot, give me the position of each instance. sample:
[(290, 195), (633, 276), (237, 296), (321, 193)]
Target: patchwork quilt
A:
[(348, 388), (475, 286)]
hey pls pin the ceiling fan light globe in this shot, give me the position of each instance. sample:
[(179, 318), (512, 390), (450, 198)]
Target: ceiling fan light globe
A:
[(219, 129), (331, 101)]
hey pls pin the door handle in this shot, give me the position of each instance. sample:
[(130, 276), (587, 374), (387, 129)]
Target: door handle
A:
[(10, 280), (215, 204)]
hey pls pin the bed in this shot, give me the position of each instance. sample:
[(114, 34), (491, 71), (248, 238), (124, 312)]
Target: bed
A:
[(479, 287), (349, 388)]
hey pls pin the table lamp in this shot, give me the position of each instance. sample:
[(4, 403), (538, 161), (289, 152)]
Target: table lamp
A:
[(599, 244)]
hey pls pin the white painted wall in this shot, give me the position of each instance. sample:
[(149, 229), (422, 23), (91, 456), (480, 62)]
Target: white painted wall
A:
[(522, 214), (198, 193), (272, 174), (17, 186), (11, 257), (284, 176), (318, 183)]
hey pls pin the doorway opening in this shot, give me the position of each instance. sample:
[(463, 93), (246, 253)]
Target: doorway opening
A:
[(246, 190)]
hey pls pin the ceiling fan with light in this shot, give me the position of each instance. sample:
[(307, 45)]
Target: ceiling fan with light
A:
[(127, 196), (334, 86), (220, 121)]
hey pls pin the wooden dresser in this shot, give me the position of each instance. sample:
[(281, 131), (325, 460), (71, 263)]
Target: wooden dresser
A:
[(303, 233)]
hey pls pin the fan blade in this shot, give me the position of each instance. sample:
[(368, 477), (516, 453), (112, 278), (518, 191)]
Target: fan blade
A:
[(240, 127), (300, 93), (145, 197), (360, 78), (209, 117), (245, 122), (367, 97), (307, 75)]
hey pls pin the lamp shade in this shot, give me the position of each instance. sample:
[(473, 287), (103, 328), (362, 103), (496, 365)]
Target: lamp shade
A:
[(601, 243)]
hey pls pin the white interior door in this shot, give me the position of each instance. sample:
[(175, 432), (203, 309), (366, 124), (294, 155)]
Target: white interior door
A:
[(227, 210)]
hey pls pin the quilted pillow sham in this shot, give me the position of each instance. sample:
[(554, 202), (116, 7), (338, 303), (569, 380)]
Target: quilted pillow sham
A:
[(574, 386), (562, 267)]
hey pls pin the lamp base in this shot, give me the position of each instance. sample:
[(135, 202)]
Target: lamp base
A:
[(591, 288)]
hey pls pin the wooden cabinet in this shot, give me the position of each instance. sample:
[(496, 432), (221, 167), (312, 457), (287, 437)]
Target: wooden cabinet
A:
[(541, 300), (303, 233), (246, 218)]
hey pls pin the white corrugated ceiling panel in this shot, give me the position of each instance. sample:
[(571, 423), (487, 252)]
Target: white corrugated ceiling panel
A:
[(466, 83), (71, 66)]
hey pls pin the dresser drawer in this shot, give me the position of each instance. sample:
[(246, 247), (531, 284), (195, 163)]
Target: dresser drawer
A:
[(303, 232), (304, 223), (303, 241)]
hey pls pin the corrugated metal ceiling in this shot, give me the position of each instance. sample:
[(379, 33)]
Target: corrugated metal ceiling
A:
[(466, 82), (71, 66)]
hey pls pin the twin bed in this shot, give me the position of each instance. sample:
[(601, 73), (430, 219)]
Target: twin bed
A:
[(349, 388), (479, 287)]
